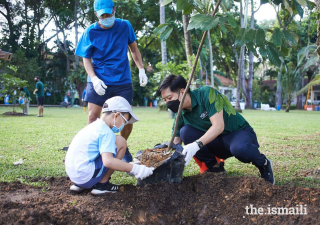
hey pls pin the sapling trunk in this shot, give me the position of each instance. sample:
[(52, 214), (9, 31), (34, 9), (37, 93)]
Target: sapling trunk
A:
[(190, 79)]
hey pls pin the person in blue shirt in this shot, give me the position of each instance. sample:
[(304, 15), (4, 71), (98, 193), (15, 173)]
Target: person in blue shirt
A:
[(85, 103), (103, 47)]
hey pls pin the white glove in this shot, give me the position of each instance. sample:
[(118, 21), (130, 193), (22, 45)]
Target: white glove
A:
[(141, 171), (98, 85), (189, 151), (143, 77)]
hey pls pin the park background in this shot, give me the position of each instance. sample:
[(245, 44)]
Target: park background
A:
[(239, 53)]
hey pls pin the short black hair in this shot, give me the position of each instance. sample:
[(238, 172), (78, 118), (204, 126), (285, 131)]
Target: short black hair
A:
[(37, 77), (175, 82)]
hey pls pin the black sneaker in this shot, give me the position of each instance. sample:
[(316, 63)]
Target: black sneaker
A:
[(99, 188), (218, 168), (266, 172), (76, 188)]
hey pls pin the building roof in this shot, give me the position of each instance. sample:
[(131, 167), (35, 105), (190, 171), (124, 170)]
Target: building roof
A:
[(225, 81)]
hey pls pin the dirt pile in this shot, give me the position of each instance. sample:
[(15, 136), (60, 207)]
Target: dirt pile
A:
[(155, 157), (201, 199)]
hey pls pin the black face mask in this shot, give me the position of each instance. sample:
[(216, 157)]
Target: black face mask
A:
[(35, 81), (174, 105)]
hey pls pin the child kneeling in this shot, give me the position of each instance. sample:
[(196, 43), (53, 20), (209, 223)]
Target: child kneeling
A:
[(96, 152)]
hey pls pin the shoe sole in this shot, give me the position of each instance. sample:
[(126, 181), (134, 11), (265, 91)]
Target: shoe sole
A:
[(98, 192), (274, 179)]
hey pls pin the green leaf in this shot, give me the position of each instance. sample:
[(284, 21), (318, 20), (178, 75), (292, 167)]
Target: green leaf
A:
[(263, 52), (222, 27), (188, 9), (203, 22), (288, 7), (240, 38), (183, 5), (277, 37), (219, 103), (263, 2), (212, 95), (260, 37), (289, 38), (164, 36), (160, 29), (227, 106), (249, 35), (311, 5), (284, 51), (277, 2), (232, 21), (298, 8), (251, 48), (311, 62), (302, 2), (273, 55), (165, 2)]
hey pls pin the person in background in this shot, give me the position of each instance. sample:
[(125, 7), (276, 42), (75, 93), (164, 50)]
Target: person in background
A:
[(104, 47), (26, 99), (85, 103), (39, 92), (76, 98)]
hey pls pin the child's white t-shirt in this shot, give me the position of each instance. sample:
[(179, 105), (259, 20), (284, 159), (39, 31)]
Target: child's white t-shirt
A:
[(86, 146)]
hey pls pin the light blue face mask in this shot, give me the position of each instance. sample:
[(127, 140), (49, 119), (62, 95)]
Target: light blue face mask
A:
[(107, 22), (118, 129)]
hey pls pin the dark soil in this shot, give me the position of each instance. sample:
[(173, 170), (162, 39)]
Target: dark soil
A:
[(155, 157), (201, 199), (13, 114)]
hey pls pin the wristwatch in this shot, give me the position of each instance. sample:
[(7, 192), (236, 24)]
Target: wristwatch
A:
[(200, 144)]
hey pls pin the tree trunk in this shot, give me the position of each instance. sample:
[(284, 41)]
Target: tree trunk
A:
[(288, 104), (76, 33), (318, 29), (163, 43), (211, 59), (279, 87), (187, 38)]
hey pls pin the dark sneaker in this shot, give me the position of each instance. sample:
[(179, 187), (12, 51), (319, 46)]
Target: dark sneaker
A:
[(76, 188), (127, 156), (266, 172), (218, 168), (100, 188)]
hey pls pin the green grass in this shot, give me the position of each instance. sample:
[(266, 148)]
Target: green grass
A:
[(290, 140)]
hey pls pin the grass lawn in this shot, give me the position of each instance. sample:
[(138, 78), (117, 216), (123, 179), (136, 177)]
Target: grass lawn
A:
[(290, 140)]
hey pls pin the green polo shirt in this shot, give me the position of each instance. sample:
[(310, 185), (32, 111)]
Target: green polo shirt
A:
[(26, 91), (40, 87), (202, 110)]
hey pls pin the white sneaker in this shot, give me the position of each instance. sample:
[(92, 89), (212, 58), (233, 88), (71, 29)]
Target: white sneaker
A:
[(76, 188)]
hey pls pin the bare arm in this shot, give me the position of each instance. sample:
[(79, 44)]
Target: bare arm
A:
[(36, 90), (215, 130), (89, 68), (114, 163), (136, 55)]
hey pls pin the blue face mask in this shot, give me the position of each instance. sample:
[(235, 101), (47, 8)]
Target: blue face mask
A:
[(107, 22), (117, 129)]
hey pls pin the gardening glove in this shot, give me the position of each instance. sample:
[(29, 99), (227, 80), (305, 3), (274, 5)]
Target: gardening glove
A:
[(143, 77), (189, 151), (141, 171), (98, 85)]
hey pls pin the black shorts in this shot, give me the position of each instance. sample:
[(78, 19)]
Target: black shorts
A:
[(40, 100), (85, 103), (123, 90)]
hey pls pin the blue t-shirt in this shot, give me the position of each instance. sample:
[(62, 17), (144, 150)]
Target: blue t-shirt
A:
[(107, 49)]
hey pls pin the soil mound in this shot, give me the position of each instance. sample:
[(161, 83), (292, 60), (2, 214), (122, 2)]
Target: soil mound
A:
[(201, 199)]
